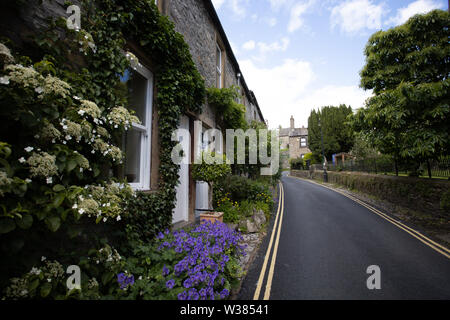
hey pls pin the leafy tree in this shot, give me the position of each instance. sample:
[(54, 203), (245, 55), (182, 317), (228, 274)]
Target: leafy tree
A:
[(407, 67), (337, 133)]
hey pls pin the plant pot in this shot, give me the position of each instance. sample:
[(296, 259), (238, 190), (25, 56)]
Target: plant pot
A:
[(212, 217)]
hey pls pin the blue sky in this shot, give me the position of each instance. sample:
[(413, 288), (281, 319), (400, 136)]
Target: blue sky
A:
[(299, 55)]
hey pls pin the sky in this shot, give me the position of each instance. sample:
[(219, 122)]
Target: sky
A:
[(299, 55)]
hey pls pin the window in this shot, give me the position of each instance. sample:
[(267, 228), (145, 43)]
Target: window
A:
[(138, 85), (160, 5), (219, 66), (303, 142)]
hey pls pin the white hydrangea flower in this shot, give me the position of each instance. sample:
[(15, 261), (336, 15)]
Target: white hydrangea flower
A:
[(4, 80)]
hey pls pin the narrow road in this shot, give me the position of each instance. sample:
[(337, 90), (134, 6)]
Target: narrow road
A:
[(326, 243)]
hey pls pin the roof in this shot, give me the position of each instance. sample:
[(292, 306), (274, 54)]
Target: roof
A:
[(212, 11), (296, 132)]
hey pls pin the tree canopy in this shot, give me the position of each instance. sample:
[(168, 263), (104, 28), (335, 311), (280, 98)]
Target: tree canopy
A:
[(407, 67), (337, 133)]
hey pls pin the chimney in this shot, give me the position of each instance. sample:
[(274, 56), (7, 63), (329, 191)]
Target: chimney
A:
[(292, 123)]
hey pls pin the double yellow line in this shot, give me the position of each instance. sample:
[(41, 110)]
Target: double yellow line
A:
[(275, 233), (416, 234)]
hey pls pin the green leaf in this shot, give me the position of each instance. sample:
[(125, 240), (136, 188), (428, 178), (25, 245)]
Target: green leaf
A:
[(71, 164), (53, 223), (7, 225), (58, 188), (33, 285), (58, 200), (26, 222), (46, 289), (106, 277)]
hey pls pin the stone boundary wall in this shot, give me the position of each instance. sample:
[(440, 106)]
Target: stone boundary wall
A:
[(428, 196)]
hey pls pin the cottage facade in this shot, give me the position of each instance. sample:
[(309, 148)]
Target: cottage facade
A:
[(295, 140), (198, 22)]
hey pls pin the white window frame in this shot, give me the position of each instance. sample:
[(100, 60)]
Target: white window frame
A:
[(303, 140), (219, 67), (145, 160)]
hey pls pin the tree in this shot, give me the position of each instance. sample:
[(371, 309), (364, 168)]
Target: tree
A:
[(337, 133), (407, 67)]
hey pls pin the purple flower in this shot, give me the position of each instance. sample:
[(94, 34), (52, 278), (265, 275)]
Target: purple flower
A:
[(165, 271), (170, 284), (125, 281), (193, 294), (225, 293), (187, 283), (183, 296)]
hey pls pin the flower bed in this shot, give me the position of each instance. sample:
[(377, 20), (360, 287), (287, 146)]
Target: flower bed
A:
[(206, 261)]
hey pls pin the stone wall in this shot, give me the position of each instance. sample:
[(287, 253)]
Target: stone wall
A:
[(194, 22), (295, 150), (428, 196)]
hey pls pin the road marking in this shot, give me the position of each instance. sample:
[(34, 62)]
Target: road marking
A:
[(269, 248), (416, 234), (275, 251)]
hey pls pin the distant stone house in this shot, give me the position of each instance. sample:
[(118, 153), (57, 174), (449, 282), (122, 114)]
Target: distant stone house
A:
[(295, 140), (198, 22)]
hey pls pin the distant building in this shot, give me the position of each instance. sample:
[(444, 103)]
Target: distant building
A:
[(295, 139)]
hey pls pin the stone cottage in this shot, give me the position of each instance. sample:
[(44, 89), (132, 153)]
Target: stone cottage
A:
[(198, 22), (295, 140)]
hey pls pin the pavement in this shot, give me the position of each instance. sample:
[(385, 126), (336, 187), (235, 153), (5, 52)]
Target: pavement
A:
[(328, 247)]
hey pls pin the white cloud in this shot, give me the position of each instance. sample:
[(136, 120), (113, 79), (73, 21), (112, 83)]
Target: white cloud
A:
[(238, 7), (274, 46), (297, 11), (264, 48), (277, 4), (286, 90), (419, 6), (279, 88), (249, 45), (357, 15)]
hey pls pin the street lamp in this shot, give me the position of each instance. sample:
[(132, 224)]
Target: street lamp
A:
[(325, 174)]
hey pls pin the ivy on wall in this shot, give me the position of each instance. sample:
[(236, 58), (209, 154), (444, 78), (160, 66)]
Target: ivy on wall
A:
[(74, 86)]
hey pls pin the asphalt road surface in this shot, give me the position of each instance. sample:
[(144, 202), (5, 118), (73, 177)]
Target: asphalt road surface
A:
[(326, 244)]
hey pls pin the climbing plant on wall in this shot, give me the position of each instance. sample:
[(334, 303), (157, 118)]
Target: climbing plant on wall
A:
[(62, 113)]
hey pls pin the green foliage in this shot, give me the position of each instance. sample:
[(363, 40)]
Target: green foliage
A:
[(296, 164), (208, 170), (445, 201), (143, 220), (54, 180), (337, 133), (308, 157), (407, 67), (230, 114), (239, 189)]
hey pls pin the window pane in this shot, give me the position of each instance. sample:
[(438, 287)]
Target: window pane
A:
[(218, 59), (133, 156), (136, 88)]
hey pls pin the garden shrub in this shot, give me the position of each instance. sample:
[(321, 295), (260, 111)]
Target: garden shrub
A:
[(199, 264), (59, 139)]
